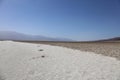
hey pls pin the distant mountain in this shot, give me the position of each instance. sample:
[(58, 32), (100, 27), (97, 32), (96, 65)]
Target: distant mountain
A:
[(116, 38), (10, 35), (111, 39)]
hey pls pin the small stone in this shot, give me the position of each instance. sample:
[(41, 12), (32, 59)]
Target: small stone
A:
[(43, 56), (41, 50)]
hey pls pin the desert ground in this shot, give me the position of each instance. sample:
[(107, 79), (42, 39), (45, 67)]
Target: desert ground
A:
[(109, 48), (55, 61)]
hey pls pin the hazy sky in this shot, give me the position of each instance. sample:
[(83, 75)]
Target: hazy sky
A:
[(74, 19)]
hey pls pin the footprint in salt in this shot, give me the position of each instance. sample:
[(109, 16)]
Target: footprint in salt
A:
[(76, 76), (68, 75), (31, 72), (40, 50), (38, 45), (33, 58), (37, 57), (43, 56)]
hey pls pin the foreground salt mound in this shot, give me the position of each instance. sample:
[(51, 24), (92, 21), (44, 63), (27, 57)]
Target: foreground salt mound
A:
[(23, 61)]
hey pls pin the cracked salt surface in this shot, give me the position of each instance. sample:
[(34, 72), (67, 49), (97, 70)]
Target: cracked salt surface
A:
[(24, 61)]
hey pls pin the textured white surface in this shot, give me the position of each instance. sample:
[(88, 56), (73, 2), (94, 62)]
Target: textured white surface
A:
[(24, 61)]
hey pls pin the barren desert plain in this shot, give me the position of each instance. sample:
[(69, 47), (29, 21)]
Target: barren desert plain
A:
[(59, 60), (108, 48)]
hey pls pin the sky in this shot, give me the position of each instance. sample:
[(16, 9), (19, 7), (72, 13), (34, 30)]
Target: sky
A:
[(73, 19)]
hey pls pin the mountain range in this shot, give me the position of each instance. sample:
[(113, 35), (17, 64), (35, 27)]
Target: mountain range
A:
[(111, 39), (11, 35)]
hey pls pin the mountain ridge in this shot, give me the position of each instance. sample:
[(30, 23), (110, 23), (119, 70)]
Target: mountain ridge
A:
[(12, 35), (110, 39)]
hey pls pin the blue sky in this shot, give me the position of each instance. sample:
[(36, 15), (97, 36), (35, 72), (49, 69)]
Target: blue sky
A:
[(74, 19)]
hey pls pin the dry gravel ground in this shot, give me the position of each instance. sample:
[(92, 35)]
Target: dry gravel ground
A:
[(105, 48), (25, 61)]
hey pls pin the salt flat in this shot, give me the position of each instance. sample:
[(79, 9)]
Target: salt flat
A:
[(25, 61)]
